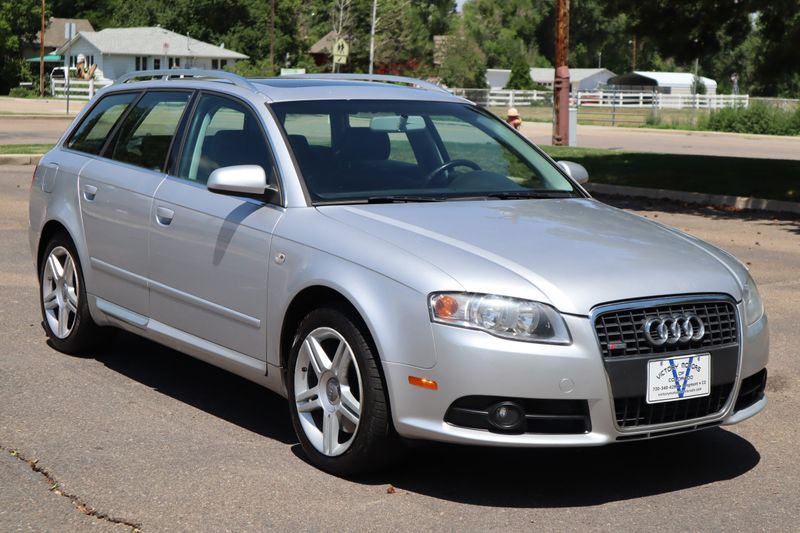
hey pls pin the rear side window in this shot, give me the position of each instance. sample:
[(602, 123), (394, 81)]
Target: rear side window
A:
[(144, 137), (94, 129)]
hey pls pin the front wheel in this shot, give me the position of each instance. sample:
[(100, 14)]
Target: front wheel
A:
[(337, 399)]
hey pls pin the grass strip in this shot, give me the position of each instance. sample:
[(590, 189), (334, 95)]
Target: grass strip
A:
[(773, 179)]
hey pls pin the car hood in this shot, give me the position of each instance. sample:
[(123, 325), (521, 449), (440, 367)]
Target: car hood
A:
[(572, 253)]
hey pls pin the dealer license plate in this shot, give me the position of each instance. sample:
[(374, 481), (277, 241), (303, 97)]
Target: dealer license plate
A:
[(678, 378)]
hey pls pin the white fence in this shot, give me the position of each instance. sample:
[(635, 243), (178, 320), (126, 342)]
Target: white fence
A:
[(78, 89), (505, 98), (509, 98), (659, 100)]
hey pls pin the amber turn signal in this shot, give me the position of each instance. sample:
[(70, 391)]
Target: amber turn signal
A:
[(423, 382), (445, 306)]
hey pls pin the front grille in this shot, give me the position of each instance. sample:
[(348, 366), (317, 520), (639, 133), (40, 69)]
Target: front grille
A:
[(621, 332), (635, 411)]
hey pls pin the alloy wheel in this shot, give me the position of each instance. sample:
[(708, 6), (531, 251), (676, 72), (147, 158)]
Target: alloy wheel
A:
[(60, 292), (328, 391)]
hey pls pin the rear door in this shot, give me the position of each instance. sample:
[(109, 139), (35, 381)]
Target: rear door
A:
[(116, 195), (209, 252)]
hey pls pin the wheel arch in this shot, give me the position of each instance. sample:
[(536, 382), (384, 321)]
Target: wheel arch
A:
[(49, 230)]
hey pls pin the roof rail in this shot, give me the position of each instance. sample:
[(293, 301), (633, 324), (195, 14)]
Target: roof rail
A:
[(426, 85), (166, 74)]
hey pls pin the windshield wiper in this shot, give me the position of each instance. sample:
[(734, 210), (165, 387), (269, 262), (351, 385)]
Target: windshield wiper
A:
[(401, 198), (515, 195)]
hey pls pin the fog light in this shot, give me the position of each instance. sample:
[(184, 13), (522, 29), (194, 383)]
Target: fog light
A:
[(506, 416)]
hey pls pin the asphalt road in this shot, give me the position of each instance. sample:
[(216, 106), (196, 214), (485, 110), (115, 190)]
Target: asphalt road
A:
[(674, 141), (146, 436)]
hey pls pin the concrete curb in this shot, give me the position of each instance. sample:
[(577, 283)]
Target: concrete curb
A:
[(719, 200), (19, 159)]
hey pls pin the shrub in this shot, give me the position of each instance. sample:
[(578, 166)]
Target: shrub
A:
[(758, 118), (20, 92), (520, 78)]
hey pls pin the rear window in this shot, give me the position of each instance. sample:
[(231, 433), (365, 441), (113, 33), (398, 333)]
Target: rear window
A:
[(91, 135)]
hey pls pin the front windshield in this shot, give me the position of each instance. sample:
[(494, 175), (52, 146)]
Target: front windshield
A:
[(361, 151)]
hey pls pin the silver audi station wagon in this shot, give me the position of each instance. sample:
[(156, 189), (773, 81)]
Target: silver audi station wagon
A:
[(396, 261)]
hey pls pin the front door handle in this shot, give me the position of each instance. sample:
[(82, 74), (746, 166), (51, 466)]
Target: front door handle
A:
[(89, 192), (164, 215)]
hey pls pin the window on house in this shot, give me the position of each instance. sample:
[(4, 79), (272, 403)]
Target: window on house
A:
[(174, 62), (223, 63), (141, 63), (156, 64), (214, 64)]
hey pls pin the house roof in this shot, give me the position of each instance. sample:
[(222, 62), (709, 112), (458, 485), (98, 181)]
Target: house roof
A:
[(54, 31), (151, 41), (662, 79), (324, 45), (547, 74)]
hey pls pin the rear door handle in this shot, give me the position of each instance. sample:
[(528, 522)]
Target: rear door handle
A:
[(89, 192), (164, 215)]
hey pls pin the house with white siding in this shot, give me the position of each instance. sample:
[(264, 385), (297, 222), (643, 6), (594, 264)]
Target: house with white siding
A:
[(118, 51), (580, 79)]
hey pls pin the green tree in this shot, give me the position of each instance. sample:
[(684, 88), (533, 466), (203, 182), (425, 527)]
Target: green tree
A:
[(507, 29), (19, 22), (464, 63), (520, 78), (778, 49)]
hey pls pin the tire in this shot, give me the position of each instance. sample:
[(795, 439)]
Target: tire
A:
[(337, 399), (62, 299)]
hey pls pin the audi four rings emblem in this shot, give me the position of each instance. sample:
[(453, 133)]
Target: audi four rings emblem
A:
[(673, 329)]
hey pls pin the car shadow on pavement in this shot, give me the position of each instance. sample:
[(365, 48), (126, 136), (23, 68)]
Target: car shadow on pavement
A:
[(572, 477), (201, 385), (786, 221), (499, 477)]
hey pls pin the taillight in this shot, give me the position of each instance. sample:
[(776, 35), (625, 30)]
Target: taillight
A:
[(35, 168)]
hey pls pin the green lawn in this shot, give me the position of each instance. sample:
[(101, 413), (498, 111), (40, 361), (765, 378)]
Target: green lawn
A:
[(738, 176), (24, 149)]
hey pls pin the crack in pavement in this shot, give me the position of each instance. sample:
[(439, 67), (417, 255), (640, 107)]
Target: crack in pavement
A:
[(77, 501)]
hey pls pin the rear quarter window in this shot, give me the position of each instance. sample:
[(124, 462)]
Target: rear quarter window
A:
[(91, 134)]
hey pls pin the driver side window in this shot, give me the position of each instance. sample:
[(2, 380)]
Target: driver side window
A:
[(223, 133)]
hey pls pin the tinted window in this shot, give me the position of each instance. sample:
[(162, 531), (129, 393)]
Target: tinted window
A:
[(146, 133), (222, 133), (94, 129)]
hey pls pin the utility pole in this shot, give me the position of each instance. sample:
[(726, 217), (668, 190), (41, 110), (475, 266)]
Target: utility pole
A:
[(561, 81), (272, 38), (372, 35), (633, 53), (41, 56)]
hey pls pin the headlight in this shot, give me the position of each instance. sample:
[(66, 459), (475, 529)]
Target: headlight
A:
[(753, 306), (510, 318)]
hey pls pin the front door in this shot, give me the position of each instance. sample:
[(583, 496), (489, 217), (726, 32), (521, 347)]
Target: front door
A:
[(209, 252)]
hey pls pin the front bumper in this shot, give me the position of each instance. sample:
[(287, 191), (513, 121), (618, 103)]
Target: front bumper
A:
[(473, 363)]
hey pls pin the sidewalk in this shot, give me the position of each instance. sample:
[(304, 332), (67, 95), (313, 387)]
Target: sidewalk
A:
[(37, 106), (675, 141)]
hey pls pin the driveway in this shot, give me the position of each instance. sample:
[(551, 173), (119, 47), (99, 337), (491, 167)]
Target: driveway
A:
[(139, 436)]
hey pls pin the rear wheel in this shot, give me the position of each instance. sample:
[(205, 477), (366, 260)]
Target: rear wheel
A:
[(336, 396), (65, 311)]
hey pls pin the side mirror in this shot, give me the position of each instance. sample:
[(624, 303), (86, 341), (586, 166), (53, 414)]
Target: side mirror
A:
[(241, 179), (575, 171)]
